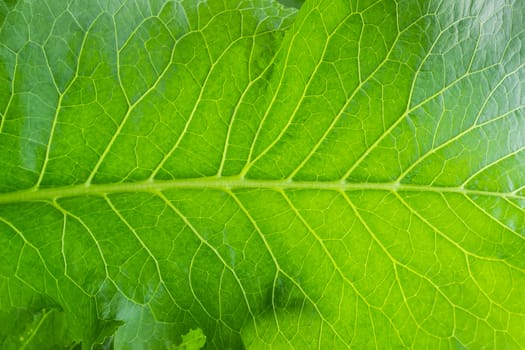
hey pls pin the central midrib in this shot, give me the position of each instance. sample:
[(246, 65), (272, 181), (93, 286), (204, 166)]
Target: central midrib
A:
[(223, 183)]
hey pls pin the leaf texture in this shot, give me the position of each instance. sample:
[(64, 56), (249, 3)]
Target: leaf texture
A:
[(350, 174)]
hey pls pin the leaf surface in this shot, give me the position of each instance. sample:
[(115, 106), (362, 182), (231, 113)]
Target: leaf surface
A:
[(349, 174)]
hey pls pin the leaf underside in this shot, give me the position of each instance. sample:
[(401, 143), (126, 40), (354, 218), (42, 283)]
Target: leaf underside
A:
[(350, 174)]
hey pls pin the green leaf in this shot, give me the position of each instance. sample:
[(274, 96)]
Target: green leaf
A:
[(350, 174), (193, 340)]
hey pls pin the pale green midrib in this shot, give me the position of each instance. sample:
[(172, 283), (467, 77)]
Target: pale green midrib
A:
[(224, 183)]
